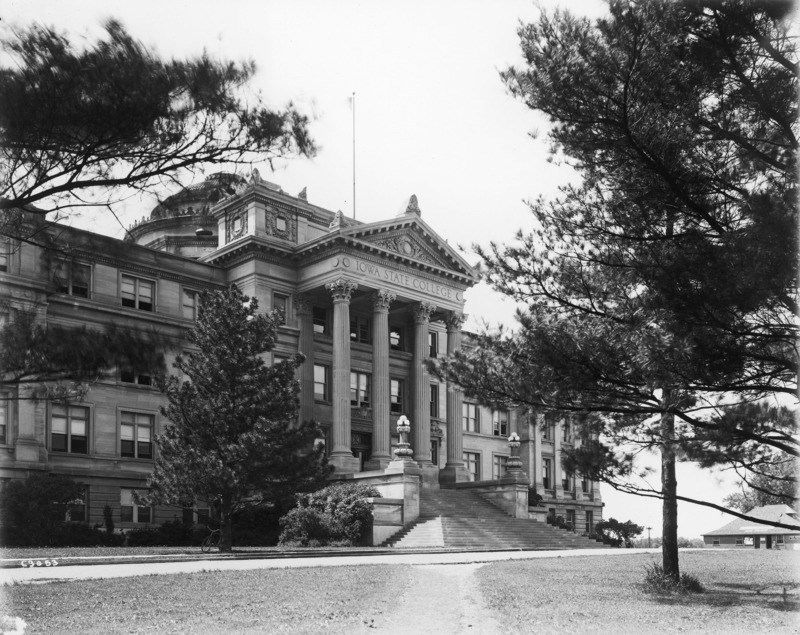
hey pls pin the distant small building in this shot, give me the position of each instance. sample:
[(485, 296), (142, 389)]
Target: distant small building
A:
[(750, 535)]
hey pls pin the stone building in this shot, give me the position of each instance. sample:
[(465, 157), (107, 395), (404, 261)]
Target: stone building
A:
[(366, 303)]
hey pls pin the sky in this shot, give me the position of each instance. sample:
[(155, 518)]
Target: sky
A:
[(432, 118)]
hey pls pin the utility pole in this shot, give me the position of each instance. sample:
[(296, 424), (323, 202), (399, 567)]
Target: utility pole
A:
[(648, 537)]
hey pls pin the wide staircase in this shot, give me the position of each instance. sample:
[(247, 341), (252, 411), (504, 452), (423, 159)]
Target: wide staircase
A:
[(461, 519)]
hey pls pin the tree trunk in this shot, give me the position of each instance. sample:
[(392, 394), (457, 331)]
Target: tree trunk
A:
[(226, 541), (669, 490)]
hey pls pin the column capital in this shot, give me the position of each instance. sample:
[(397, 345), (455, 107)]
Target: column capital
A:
[(302, 303), (454, 321), (381, 299), (341, 289), (422, 312)]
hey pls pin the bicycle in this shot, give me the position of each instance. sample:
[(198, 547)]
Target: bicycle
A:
[(211, 541)]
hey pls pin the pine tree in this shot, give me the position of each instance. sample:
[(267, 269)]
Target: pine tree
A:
[(660, 291), (232, 440)]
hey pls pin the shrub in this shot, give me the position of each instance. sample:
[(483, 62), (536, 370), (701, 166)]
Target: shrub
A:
[(534, 498), (34, 509), (173, 533), (338, 514), (656, 581)]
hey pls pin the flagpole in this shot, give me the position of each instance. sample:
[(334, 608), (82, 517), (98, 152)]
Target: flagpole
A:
[(354, 155)]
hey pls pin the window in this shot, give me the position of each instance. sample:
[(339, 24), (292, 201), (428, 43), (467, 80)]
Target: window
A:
[(434, 400), (500, 423), (76, 509), (359, 329), (740, 541), (472, 461), (5, 253), (4, 401), (571, 518), (434, 452), (566, 432), (136, 434), (68, 429), (566, 482), (396, 342), (189, 304), (433, 344), (715, 542), (469, 417), (396, 396), (73, 278), (321, 383), (360, 390), (586, 485), (748, 541), (547, 471), (589, 522), (779, 540), (548, 428), (499, 466), (138, 293), (130, 512), (129, 376), (319, 317), (280, 303)]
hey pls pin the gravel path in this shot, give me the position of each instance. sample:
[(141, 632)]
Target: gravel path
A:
[(443, 599)]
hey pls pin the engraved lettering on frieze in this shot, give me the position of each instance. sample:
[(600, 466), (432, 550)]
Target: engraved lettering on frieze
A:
[(380, 273)]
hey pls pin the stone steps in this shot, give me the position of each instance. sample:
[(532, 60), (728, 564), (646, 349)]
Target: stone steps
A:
[(461, 519)]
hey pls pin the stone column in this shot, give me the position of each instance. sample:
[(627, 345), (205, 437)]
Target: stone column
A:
[(341, 456), (558, 491), (302, 306), (454, 470), (380, 381), (420, 387), (536, 468)]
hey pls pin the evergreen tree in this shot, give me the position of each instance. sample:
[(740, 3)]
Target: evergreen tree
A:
[(660, 292), (233, 440), (83, 123)]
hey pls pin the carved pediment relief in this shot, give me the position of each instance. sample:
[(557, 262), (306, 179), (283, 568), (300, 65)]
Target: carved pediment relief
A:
[(409, 245)]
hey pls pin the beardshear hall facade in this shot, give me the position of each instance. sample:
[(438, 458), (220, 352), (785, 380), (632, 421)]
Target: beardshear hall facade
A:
[(365, 303)]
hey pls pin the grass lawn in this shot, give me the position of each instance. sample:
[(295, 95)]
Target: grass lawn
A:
[(743, 594), (338, 599), (549, 595)]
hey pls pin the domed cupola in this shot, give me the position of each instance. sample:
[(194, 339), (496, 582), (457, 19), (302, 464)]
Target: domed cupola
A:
[(182, 224)]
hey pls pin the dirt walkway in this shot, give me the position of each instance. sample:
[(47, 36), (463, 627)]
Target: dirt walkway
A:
[(443, 599)]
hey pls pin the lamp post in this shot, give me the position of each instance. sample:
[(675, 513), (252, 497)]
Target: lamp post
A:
[(403, 452), (514, 463)]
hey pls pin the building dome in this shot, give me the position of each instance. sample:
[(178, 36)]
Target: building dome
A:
[(197, 199), (182, 224)]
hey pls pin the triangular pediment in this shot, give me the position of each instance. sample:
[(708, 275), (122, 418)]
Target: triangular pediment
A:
[(410, 238)]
